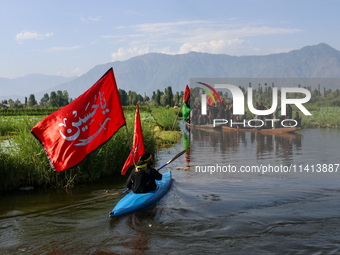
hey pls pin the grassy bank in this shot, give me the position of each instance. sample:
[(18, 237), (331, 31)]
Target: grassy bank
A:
[(324, 117), (25, 163)]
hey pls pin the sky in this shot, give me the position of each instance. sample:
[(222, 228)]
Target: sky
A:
[(69, 38)]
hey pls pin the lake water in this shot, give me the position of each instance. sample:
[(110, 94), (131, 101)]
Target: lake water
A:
[(203, 213)]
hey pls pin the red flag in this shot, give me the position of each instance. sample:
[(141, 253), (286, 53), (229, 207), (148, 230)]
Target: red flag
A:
[(138, 143), (186, 96), (71, 133), (210, 100)]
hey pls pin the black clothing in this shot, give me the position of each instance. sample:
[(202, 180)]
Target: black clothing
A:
[(143, 181), (298, 120), (289, 112), (220, 112), (214, 112)]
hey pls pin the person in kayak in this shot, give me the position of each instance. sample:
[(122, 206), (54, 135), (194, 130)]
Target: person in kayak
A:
[(147, 158), (142, 178)]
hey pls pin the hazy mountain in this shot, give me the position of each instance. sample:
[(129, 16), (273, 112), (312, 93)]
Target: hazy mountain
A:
[(153, 71), (29, 84)]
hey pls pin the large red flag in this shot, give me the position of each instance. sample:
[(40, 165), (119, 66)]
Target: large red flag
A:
[(138, 144), (71, 133)]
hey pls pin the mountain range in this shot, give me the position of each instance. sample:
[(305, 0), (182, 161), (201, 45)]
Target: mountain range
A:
[(152, 71)]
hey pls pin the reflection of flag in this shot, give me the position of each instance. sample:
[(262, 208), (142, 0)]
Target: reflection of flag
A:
[(186, 141), (138, 143), (186, 146), (186, 103), (71, 133)]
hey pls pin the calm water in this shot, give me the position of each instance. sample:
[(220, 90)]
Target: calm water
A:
[(203, 213)]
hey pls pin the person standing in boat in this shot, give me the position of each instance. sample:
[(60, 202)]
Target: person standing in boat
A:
[(142, 178), (298, 119), (289, 113), (268, 124)]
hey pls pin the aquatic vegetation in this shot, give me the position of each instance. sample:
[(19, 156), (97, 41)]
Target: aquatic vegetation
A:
[(325, 117), (25, 161), (165, 118)]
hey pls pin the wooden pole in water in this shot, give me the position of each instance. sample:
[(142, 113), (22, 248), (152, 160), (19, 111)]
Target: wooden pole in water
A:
[(176, 119)]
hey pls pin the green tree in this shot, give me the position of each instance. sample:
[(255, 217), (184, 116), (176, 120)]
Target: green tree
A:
[(18, 104), (60, 99), (146, 98), (158, 97), (140, 98), (181, 95), (11, 103), (44, 100), (133, 97), (176, 98), (31, 101), (53, 99), (123, 97), (169, 95), (65, 98), (164, 100)]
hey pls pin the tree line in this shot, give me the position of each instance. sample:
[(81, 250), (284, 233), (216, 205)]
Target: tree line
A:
[(61, 98), (264, 93)]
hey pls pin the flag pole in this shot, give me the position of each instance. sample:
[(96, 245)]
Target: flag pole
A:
[(133, 156)]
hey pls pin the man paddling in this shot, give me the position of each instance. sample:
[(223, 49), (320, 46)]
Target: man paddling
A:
[(142, 178)]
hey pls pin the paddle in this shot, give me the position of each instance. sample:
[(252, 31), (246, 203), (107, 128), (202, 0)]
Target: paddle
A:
[(173, 159), (167, 163)]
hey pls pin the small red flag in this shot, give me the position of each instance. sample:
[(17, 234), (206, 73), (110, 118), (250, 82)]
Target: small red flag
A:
[(138, 143), (74, 131), (186, 96)]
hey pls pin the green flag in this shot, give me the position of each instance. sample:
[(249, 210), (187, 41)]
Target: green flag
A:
[(186, 102), (185, 111)]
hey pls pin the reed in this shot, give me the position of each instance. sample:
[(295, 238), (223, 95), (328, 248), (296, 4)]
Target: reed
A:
[(26, 162), (165, 117), (325, 117)]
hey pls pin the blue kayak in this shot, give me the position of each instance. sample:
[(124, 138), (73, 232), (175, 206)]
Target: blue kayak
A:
[(133, 202)]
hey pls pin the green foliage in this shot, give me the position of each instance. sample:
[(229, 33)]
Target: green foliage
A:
[(31, 101), (165, 118), (53, 99), (26, 162), (322, 117), (28, 111), (123, 97)]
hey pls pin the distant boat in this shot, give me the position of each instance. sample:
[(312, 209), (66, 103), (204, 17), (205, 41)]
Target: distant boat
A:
[(264, 130)]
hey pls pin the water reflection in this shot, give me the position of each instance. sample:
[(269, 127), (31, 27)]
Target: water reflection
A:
[(242, 146)]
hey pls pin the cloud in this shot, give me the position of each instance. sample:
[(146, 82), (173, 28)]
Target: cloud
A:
[(75, 72), (210, 47), (180, 37), (31, 35), (90, 19), (53, 49), (167, 27), (123, 54)]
